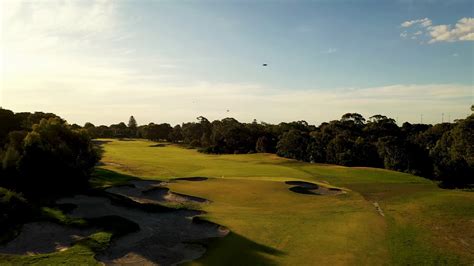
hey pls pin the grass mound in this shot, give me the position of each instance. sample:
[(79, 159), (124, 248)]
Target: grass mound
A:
[(194, 178)]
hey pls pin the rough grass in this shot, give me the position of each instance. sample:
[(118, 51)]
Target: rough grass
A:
[(81, 253), (272, 225)]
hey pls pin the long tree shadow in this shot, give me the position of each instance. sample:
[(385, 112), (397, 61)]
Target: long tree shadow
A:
[(235, 249), (164, 235), (103, 177), (152, 233)]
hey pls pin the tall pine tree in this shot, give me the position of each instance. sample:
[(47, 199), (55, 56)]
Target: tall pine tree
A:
[(132, 127)]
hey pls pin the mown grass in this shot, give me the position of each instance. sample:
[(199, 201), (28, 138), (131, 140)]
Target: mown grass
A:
[(423, 224), (275, 225), (137, 158)]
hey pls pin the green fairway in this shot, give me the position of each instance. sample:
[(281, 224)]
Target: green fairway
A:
[(272, 225), (140, 159)]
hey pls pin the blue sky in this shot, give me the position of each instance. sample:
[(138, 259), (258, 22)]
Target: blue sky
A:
[(324, 44), (171, 61)]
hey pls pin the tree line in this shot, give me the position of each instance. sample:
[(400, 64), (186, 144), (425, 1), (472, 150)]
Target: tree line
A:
[(443, 152)]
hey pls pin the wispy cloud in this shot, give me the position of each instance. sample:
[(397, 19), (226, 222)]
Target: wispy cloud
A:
[(425, 22), (463, 30), (59, 47), (38, 25), (117, 97)]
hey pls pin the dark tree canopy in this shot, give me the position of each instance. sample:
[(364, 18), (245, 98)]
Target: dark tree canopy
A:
[(453, 154), (50, 158), (292, 144), (132, 123)]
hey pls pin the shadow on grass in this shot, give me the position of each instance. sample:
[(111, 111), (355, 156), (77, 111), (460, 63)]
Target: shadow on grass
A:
[(105, 178), (235, 249), (100, 142), (232, 249), (158, 145)]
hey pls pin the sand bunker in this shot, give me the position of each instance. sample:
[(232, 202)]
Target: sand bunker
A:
[(163, 238), (44, 237), (304, 184), (304, 187), (164, 194), (152, 192)]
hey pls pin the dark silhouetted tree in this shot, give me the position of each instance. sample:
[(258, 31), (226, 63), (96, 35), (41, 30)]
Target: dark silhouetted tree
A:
[(293, 144), (176, 135), (453, 155), (55, 159), (263, 144)]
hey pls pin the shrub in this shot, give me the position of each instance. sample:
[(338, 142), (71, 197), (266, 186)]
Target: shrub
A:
[(54, 159), (14, 208)]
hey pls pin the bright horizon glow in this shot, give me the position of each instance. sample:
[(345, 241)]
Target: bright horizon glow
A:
[(102, 61)]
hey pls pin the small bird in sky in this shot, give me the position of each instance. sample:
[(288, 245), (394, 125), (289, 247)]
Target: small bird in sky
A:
[(265, 64)]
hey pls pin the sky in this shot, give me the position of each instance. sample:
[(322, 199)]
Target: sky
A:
[(172, 61)]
